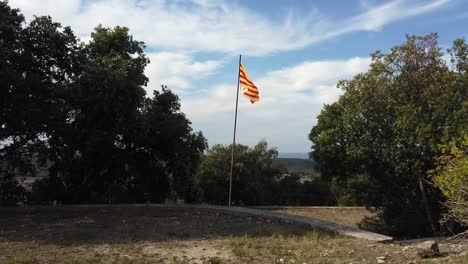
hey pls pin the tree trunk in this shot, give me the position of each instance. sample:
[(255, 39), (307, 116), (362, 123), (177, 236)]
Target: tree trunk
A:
[(426, 204)]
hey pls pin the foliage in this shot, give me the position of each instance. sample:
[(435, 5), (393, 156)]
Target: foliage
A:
[(82, 109), (256, 180), (11, 193), (293, 190), (384, 131), (38, 63), (451, 176), (252, 178), (300, 166)]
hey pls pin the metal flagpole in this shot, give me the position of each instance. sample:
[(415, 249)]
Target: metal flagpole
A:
[(234, 137)]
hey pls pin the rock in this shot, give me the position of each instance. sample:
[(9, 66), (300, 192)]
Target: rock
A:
[(428, 250), (381, 259), (425, 245)]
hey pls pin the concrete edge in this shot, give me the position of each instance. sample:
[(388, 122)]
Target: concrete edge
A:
[(308, 221), (275, 207)]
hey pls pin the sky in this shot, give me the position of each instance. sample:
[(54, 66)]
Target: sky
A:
[(294, 51)]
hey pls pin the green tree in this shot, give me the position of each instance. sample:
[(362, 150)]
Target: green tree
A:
[(451, 173), (119, 146), (386, 128), (166, 134), (451, 176), (39, 62), (81, 109), (257, 180), (89, 149), (253, 180)]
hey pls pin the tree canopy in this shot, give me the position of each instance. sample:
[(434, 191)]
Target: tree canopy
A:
[(256, 179), (80, 110), (385, 130)]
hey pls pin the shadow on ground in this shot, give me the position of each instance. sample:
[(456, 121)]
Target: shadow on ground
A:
[(96, 226)]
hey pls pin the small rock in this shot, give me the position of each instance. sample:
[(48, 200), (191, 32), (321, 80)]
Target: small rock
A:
[(426, 252), (425, 245), (381, 259)]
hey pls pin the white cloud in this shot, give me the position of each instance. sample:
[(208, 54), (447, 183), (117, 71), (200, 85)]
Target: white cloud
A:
[(307, 74), (375, 18), (179, 29), (290, 100), (218, 26), (59, 10), (176, 70)]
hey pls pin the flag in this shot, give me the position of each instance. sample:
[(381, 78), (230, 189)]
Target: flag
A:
[(249, 90)]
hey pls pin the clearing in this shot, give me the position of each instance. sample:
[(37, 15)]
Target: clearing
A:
[(177, 235)]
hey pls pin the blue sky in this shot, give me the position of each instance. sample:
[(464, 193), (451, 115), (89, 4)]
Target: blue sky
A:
[(294, 51)]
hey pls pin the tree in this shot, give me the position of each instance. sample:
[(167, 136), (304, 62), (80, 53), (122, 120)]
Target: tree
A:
[(166, 135), (386, 129), (257, 180), (120, 146), (89, 148), (451, 176), (39, 62), (81, 110), (253, 180), (451, 173)]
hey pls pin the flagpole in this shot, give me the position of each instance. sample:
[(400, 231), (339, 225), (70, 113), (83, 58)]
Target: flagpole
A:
[(234, 136)]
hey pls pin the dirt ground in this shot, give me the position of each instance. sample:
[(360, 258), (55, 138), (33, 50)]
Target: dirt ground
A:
[(162, 235), (344, 216)]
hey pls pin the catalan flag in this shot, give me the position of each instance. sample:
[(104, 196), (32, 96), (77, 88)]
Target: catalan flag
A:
[(249, 90)]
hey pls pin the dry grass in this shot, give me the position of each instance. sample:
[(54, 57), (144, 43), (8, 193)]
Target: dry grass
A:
[(159, 235), (344, 216)]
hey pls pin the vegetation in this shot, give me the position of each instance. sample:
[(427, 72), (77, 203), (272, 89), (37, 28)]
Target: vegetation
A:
[(80, 110), (396, 140), (253, 178), (168, 235), (347, 216), (303, 167), (383, 134), (256, 180), (451, 176)]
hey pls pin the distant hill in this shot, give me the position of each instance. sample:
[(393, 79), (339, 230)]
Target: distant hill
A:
[(297, 165), (292, 155)]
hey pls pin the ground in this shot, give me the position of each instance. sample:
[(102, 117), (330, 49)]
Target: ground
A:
[(348, 216), (163, 235)]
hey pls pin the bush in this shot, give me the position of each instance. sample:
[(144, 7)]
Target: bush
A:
[(451, 176), (253, 180), (11, 192), (292, 192)]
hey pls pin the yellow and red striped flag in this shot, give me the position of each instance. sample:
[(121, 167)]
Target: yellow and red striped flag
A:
[(249, 90)]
